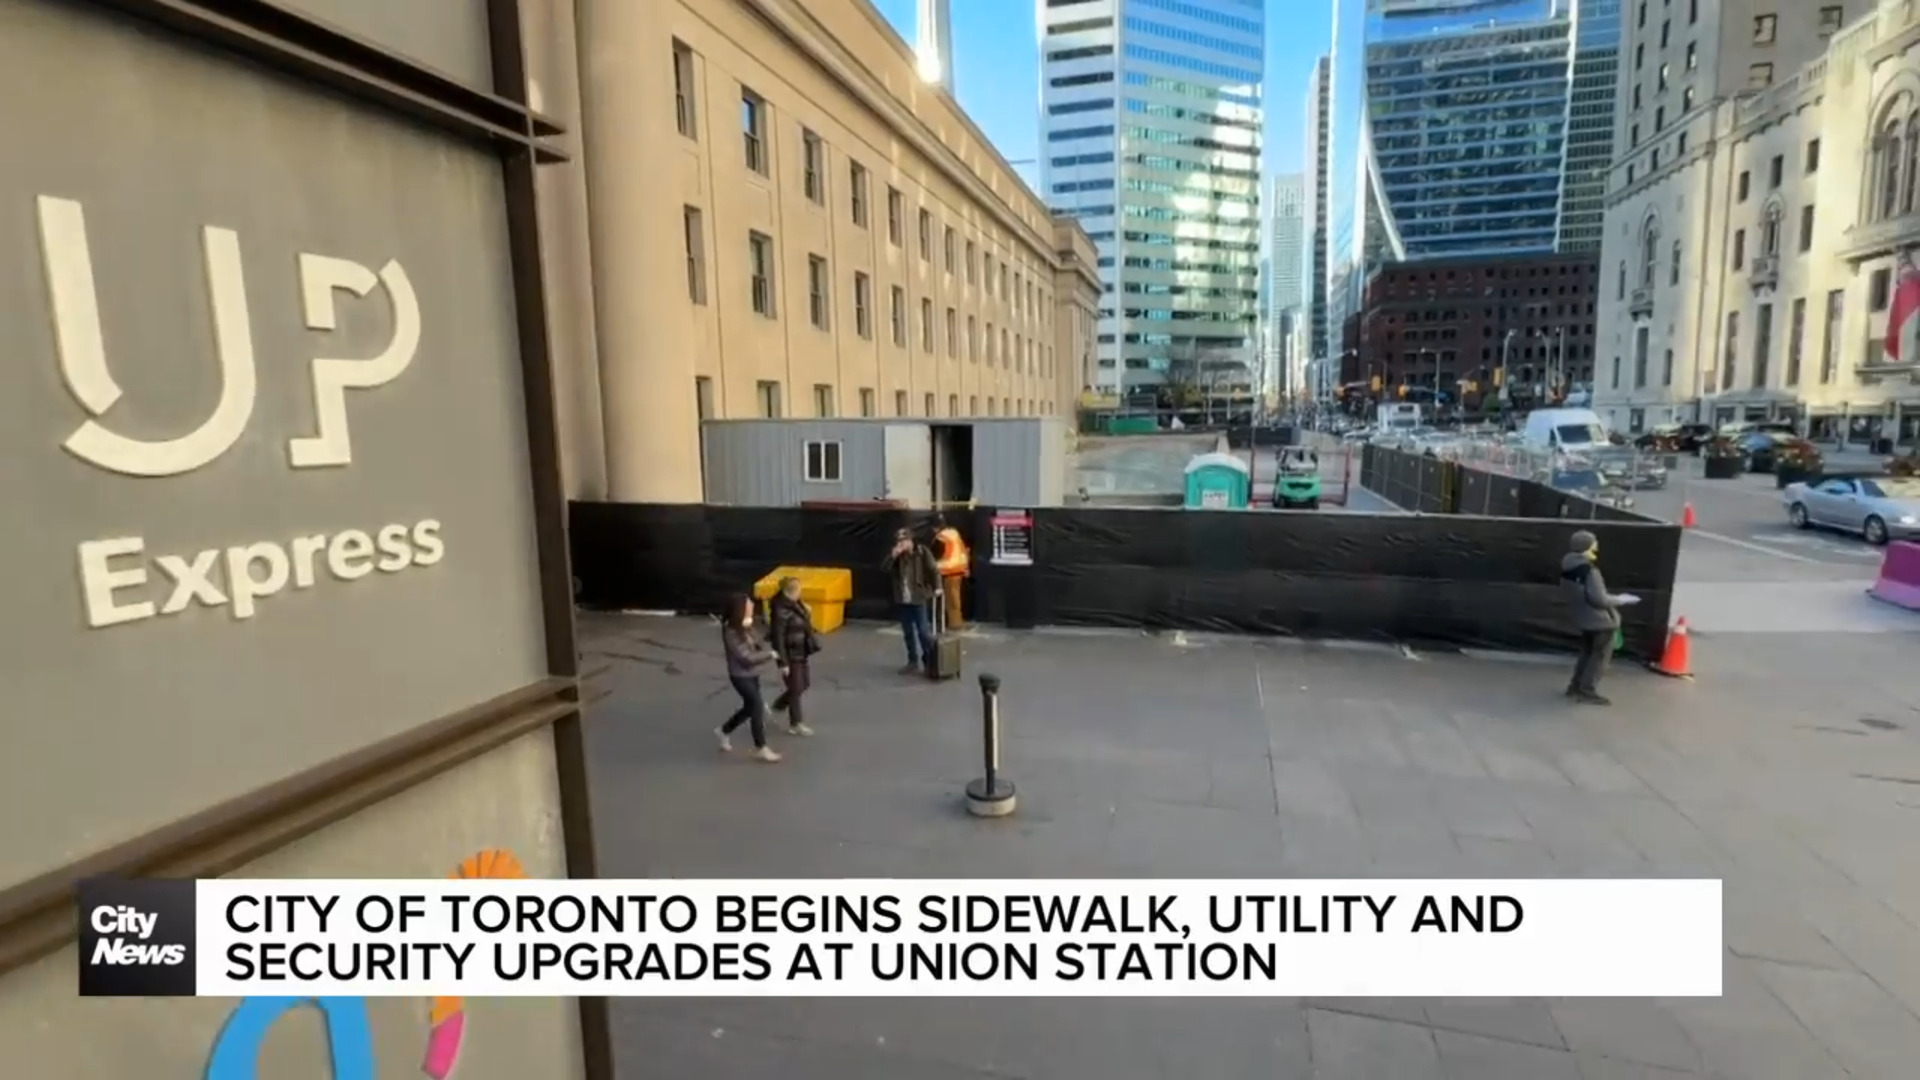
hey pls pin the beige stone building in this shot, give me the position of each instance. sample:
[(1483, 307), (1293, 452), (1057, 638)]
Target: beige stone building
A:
[(785, 221), (1751, 238)]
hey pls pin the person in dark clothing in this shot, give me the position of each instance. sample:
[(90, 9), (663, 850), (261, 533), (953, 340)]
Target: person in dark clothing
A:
[(790, 625), (746, 654), (1596, 615), (915, 578)]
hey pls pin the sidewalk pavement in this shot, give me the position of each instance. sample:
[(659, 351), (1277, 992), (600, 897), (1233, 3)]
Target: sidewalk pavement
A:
[(1790, 768)]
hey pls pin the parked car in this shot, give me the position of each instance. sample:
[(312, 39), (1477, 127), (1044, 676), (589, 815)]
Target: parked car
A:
[(1357, 435), (1624, 468), (1765, 449), (1876, 508), (1675, 438)]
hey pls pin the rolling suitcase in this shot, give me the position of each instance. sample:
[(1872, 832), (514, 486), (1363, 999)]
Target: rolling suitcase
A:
[(946, 646)]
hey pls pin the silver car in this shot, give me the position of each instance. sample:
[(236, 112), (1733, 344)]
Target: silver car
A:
[(1877, 508)]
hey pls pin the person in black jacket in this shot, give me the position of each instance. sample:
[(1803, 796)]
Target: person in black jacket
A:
[(794, 642), (914, 577), (746, 654)]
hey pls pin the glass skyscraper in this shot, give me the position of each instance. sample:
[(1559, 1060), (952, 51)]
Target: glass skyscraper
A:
[(1151, 118), (1467, 127)]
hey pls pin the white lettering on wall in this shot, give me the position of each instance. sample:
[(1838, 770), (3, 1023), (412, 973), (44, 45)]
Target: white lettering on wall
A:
[(81, 345), (320, 276), (115, 579), (117, 582), (83, 355)]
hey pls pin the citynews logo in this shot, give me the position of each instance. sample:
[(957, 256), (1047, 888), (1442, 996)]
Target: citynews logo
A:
[(136, 938)]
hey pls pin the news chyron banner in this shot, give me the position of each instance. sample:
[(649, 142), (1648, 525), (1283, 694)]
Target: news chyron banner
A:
[(494, 938)]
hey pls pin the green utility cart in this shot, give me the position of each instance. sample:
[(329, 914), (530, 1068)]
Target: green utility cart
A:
[(1296, 479), (1219, 482)]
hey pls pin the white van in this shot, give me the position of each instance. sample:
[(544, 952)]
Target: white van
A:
[(1572, 431)]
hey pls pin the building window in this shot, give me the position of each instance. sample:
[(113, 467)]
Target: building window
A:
[(1623, 282), (1633, 135), (863, 305), (1806, 227), (1830, 335), (1616, 373), (768, 392), (1739, 248), (926, 402), (1660, 120), (1770, 231), (857, 193), (1673, 273), (953, 334), (1649, 252), (953, 404), (817, 291), (1666, 71), (1765, 28), (950, 253), (897, 315), (926, 326), (823, 461), (1666, 34), (1796, 330), (973, 339), (1776, 171), (900, 403), (683, 103), (823, 400), (1813, 156), (1831, 18), (1693, 12), (973, 405), (1693, 59), (1762, 344), (1666, 368), (1686, 100), (760, 272), (1731, 359), (1877, 288), (866, 401), (813, 160), (695, 231), (1642, 340), (973, 269), (1759, 76), (896, 216), (753, 129), (1742, 186), (926, 236)]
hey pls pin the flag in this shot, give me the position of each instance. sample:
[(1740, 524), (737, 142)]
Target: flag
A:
[(1902, 324)]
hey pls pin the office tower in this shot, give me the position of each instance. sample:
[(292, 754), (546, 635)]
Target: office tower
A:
[(1465, 124), (1150, 120), (1281, 282), (933, 43), (1319, 201), (1590, 116)]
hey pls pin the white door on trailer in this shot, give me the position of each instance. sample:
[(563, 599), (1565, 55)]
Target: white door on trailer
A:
[(909, 449)]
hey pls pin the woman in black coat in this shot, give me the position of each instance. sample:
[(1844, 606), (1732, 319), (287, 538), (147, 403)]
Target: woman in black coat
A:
[(746, 654), (794, 642)]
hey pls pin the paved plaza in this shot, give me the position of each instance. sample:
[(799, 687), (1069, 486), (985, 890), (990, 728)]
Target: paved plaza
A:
[(1791, 769)]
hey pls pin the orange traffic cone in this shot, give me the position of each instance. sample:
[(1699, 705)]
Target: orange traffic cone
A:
[(1677, 660), (1687, 517)]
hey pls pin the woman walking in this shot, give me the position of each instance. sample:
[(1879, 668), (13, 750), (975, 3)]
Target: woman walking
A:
[(746, 654), (794, 642)]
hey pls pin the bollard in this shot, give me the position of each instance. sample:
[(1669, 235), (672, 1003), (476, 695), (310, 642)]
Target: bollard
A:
[(992, 795)]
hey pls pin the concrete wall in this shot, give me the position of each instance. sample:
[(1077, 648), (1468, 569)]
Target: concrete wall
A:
[(504, 800), (171, 699)]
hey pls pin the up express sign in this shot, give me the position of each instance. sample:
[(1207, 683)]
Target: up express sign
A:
[(121, 580)]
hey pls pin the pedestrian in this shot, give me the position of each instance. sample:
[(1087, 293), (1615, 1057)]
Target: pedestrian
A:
[(914, 578), (790, 625), (746, 654), (1596, 615), (956, 565)]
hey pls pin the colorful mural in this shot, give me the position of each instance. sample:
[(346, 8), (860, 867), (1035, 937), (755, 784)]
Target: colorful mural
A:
[(236, 1052)]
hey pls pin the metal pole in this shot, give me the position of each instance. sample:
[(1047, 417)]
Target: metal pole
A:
[(991, 795)]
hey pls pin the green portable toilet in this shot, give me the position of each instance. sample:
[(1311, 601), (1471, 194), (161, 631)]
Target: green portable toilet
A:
[(1218, 482)]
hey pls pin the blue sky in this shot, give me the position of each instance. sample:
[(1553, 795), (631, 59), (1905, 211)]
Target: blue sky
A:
[(997, 70)]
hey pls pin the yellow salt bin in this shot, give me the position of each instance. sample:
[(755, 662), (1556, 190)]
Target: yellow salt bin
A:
[(824, 589)]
